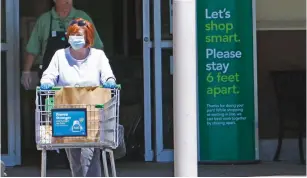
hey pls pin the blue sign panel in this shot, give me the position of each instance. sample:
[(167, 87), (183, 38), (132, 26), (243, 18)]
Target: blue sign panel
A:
[(69, 122)]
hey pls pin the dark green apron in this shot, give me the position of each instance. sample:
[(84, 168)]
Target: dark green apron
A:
[(56, 40)]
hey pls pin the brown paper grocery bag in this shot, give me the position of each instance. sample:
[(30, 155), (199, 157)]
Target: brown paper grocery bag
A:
[(83, 97)]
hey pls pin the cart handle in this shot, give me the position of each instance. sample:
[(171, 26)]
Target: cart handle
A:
[(59, 88)]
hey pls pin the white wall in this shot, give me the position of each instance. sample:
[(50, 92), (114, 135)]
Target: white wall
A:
[(281, 14)]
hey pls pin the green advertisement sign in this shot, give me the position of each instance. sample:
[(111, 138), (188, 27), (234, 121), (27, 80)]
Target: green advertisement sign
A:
[(226, 69)]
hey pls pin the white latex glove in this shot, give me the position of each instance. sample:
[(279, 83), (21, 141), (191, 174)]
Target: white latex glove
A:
[(26, 79)]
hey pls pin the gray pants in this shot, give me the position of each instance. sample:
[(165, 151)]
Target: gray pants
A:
[(84, 162)]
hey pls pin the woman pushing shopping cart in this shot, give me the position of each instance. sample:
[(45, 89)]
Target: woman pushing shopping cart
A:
[(83, 129)]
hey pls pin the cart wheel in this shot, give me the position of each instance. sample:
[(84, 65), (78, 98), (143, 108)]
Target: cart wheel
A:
[(3, 174)]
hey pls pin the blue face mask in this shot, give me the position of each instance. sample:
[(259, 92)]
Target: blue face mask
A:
[(76, 42)]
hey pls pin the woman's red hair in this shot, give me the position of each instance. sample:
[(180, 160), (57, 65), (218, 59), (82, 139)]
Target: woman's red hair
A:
[(88, 30)]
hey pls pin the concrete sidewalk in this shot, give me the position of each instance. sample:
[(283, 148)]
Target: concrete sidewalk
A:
[(141, 169)]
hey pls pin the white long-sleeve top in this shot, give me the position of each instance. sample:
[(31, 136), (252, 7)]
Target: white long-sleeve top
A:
[(64, 70)]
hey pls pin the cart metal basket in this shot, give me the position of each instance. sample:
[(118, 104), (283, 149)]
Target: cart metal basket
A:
[(99, 129)]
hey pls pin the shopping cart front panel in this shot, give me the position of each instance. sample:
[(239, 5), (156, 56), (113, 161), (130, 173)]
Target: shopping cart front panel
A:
[(102, 122)]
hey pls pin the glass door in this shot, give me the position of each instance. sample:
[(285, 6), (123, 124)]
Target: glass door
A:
[(163, 80), (158, 80), (10, 83)]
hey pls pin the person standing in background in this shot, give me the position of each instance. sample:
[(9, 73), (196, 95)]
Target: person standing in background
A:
[(48, 36)]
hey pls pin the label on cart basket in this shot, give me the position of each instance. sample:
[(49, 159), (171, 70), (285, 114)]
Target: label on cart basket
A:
[(69, 122)]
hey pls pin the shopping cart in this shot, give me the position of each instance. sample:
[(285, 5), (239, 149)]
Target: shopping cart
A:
[(100, 128)]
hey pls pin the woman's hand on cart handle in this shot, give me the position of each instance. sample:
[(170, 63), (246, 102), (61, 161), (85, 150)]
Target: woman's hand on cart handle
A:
[(46, 86), (109, 84)]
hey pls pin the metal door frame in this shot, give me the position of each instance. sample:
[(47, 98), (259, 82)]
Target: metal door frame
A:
[(11, 47), (161, 154), (147, 45)]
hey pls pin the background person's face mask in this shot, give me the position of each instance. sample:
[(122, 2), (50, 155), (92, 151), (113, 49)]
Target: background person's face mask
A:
[(76, 42)]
